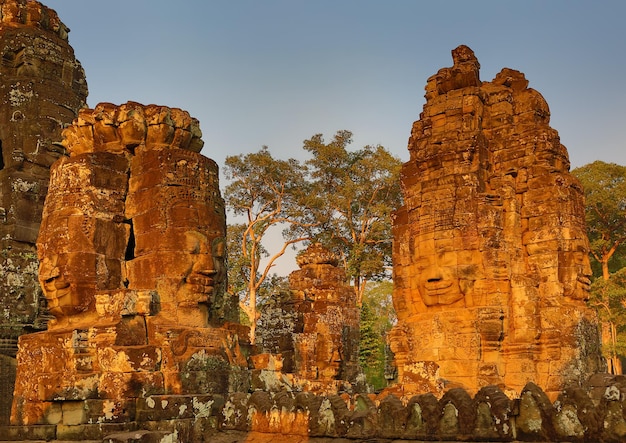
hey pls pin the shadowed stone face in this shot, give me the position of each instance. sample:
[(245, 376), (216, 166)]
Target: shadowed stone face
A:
[(569, 255), (575, 268)]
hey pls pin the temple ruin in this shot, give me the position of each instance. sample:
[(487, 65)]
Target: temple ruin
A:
[(491, 267), (126, 331), (308, 338), (131, 252), (42, 86)]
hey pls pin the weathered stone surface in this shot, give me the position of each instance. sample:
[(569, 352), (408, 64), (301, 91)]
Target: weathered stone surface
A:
[(286, 416), (131, 253), (42, 86), (313, 333), (491, 271)]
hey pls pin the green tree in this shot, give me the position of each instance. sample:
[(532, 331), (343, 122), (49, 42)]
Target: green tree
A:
[(377, 318), (605, 195), (355, 193), (340, 198), (267, 193), (609, 298)]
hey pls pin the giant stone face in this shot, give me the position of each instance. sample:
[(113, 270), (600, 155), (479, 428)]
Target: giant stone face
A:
[(134, 208), (491, 268)]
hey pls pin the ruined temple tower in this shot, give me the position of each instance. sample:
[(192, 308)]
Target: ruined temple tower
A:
[(491, 268), (42, 86), (132, 265), (313, 333)]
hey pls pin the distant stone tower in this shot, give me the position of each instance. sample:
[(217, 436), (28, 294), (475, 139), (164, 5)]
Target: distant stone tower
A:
[(326, 347), (491, 268), (314, 332), (42, 86)]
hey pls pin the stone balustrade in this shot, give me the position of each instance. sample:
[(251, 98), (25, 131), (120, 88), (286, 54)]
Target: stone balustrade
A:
[(593, 414)]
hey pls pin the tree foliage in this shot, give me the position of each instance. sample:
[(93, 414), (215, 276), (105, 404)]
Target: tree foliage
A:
[(340, 198), (377, 318), (267, 193), (609, 298), (605, 195), (356, 193)]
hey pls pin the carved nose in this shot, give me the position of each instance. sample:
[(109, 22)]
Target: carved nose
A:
[(49, 272)]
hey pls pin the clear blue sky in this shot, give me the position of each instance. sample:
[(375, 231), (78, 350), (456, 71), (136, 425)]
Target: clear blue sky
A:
[(275, 72)]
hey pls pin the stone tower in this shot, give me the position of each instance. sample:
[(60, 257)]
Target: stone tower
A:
[(491, 269), (42, 86), (311, 334), (326, 345), (131, 252)]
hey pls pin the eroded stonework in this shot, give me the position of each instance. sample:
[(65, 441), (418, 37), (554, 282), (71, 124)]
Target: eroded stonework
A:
[(311, 336), (42, 86), (131, 253), (491, 268)]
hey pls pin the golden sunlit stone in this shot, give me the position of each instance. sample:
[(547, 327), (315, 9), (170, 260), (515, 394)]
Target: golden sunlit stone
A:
[(131, 252), (491, 267)]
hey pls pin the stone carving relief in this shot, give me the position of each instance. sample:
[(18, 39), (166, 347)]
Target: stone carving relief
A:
[(43, 87), (490, 250), (130, 214), (310, 336), (131, 253)]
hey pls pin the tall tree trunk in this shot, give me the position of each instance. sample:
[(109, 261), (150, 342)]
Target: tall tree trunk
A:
[(252, 314), (609, 335), (609, 332), (605, 267)]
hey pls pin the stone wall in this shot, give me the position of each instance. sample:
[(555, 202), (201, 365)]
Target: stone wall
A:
[(595, 414)]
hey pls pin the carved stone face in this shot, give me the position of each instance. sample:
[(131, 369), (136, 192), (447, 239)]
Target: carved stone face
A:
[(81, 245), (444, 275), (179, 230), (134, 212), (187, 278), (204, 263), (59, 288), (575, 268), (564, 261), (73, 265)]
